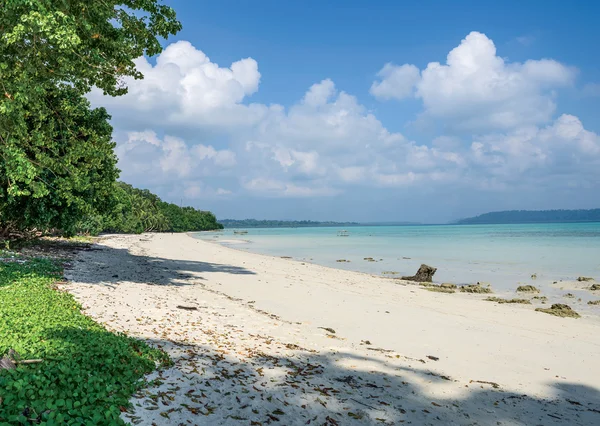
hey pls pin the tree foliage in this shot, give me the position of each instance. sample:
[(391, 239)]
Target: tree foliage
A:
[(138, 210), (56, 155)]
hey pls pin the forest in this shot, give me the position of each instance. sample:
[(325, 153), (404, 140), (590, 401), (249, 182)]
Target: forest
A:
[(58, 168), (534, 216), (134, 211)]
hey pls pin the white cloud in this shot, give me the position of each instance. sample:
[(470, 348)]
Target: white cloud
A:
[(397, 82), (187, 129), (478, 90), (185, 87)]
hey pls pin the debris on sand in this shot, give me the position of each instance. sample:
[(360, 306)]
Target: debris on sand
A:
[(585, 279), (541, 298), (390, 273), (448, 285), (595, 287), (330, 330), (570, 295), (475, 288), (527, 289), (594, 302), (187, 308), (424, 274), (501, 300), (440, 288), (493, 384), (560, 310)]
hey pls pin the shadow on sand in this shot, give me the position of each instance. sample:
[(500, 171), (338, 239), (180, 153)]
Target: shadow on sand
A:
[(304, 387), (100, 264)]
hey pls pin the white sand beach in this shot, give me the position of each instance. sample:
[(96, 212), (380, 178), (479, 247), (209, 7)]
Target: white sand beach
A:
[(267, 340)]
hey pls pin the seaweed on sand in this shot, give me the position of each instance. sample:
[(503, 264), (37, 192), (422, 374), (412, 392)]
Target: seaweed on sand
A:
[(560, 310)]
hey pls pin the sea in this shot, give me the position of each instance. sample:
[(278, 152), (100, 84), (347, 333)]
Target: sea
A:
[(549, 256)]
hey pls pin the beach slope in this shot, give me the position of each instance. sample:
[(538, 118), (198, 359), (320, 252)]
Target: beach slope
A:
[(261, 340)]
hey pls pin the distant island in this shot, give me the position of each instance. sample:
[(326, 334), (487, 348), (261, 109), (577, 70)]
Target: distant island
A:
[(533, 216), (254, 223)]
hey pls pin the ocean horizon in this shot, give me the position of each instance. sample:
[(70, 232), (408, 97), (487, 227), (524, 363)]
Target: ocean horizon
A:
[(550, 256)]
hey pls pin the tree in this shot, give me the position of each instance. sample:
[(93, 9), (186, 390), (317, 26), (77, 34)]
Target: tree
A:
[(56, 154)]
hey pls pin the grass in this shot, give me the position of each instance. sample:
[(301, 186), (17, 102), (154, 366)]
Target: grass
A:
[(88, 374), (501, 300)]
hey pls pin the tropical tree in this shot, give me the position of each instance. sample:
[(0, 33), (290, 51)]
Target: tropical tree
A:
[(56, 154)]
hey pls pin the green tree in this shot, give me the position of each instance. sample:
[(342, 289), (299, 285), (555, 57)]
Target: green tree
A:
[(56, 155), (138, 210)]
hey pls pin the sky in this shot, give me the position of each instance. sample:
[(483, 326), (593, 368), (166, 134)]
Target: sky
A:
[(425, 111)]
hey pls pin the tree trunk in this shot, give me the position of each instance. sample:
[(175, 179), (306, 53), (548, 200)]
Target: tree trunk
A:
[(423, 275)]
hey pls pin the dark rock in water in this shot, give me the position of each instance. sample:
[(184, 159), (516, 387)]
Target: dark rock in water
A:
[(560, 310), (424, 274), (585, 279)]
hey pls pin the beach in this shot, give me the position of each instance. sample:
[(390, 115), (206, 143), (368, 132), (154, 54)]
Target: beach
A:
[(259, 339)]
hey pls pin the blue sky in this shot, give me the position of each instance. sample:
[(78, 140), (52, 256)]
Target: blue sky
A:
[(311, 124)]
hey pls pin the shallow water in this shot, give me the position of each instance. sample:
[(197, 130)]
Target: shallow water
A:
[(503, 255)]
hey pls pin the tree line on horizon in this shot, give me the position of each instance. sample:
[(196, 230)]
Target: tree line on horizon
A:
[(534, 216), (58, 168), (256, 223)]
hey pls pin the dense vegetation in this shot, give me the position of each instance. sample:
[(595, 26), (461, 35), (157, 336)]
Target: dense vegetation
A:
[(57, 163), (529, 216), (87, 374), (138, 210), (253, 223)]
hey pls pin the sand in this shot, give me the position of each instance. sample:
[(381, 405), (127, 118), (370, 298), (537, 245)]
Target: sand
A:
[(277, 341)]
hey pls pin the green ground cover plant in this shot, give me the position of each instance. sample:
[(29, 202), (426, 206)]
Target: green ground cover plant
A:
[(87, 374)]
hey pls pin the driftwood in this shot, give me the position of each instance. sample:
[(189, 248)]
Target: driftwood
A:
[(10, 361), (187, 308), (423, 275)]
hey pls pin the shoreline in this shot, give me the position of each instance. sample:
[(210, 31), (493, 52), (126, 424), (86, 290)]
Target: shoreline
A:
[(449, 349), (555, 292)]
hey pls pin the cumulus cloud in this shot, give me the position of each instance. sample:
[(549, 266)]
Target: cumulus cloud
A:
[(396, 82), (185, 87), (188, 130), (146, 157), (478, 90)]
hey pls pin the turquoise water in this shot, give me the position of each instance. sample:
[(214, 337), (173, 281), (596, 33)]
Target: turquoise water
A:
[(503, 255)]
